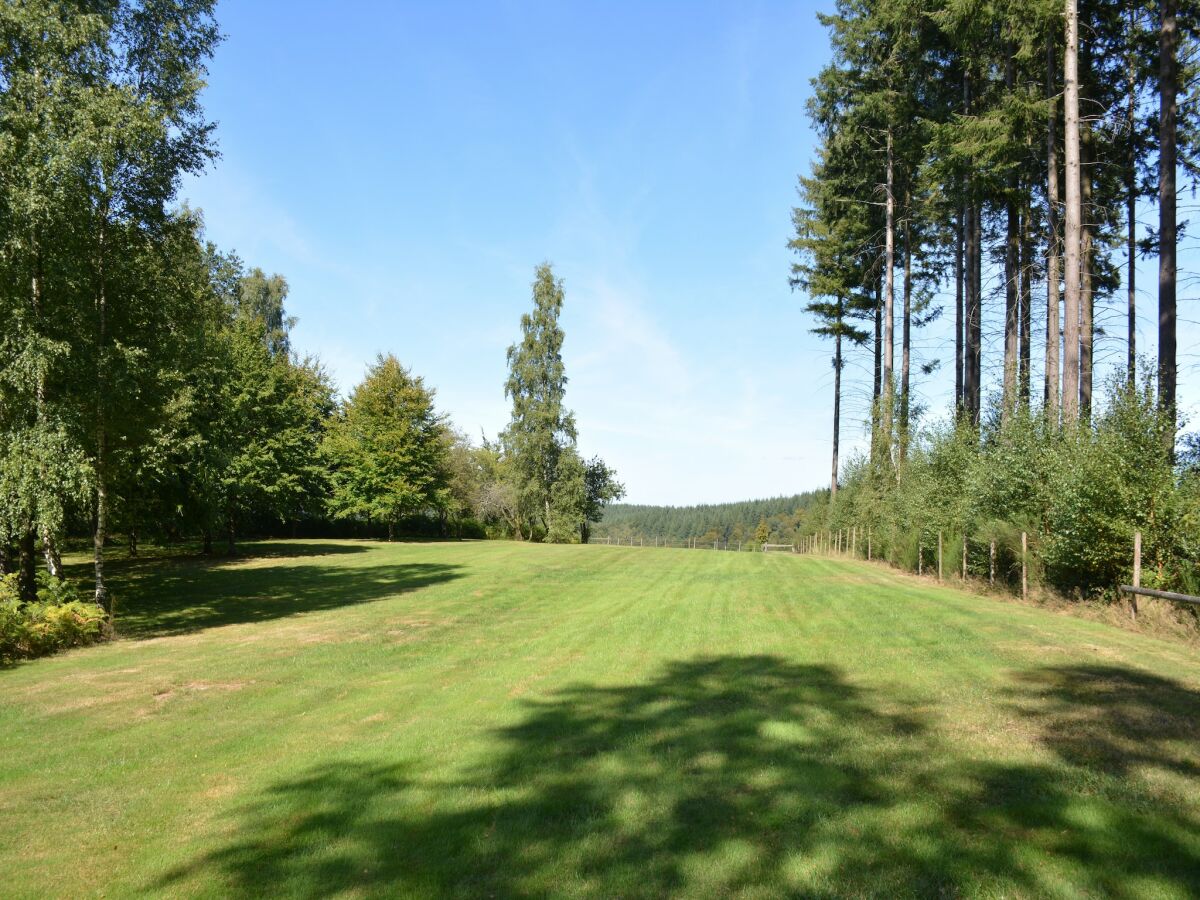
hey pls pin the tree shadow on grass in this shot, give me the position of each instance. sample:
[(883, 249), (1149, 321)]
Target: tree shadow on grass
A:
[(176, 598), (117, 562), (721, 776), (1113, 719)]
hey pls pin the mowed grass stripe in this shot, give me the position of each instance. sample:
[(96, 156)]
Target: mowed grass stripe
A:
[(491, 719)]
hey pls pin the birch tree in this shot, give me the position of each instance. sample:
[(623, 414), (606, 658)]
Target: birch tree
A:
[(541, 428)]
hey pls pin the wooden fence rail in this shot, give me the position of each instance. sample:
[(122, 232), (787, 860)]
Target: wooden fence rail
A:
[(1136, 590), (1162, 595)]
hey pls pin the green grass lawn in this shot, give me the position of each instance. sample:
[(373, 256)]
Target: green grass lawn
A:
[(494, 719)]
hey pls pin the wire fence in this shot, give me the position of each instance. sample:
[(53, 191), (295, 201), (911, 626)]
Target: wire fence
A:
[(994, 560), (938, 556), (719, 544)]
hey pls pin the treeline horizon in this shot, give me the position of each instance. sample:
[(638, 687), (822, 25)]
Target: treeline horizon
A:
[(736, 521)]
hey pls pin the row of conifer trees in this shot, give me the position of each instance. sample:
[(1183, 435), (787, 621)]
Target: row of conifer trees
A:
[(1008, 162), (996, 153)]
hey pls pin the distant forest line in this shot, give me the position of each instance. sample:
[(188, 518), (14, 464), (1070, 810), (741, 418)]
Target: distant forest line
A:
[(737, 521)]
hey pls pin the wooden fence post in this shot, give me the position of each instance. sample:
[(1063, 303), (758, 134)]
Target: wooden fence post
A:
[(992, 563), (1024, 565), (1137, 572), (939, 555)]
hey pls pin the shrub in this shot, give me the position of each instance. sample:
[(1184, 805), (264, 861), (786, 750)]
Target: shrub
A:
[(1079, 494), (1111, 480), (57, 621)]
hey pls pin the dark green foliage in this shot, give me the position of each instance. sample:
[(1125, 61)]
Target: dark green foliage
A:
[(387, 449)]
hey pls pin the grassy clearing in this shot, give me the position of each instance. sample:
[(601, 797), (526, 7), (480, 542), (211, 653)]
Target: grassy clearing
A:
[(495, 719)]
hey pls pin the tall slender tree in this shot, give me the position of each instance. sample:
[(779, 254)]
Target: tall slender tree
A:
[(541, 428), (1072, 238), (1051, 390), (828, 241), (1168, 86)]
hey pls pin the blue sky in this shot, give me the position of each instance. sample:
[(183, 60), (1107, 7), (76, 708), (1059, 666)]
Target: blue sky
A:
[(406, 166)]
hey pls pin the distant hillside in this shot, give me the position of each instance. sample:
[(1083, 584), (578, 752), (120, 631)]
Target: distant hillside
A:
[(710, 521)]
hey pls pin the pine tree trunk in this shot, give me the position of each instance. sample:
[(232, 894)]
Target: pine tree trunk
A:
[(876, 448), (975, 315), (1026, 298), (906, 338), (1072, 230), (968, 312), (878, 389), (960, 277), (1012, 312), (889, 294), (1086, 261), (837, 410), (1131, 202), (958, 313), (1168, 77), (1050, 396)]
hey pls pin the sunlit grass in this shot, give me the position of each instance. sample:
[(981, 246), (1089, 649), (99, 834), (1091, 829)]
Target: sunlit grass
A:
[(494, 719)]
